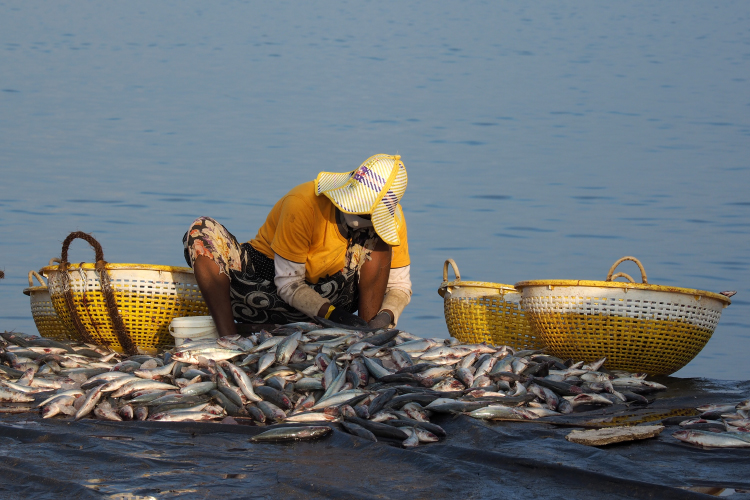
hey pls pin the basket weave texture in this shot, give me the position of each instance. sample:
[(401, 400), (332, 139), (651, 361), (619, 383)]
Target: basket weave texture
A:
[(148, 298), (485, 312), (47, 321), (126, 307), (638, 327)]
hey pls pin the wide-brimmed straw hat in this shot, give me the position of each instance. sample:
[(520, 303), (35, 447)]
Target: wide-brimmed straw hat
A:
[(375, 188)]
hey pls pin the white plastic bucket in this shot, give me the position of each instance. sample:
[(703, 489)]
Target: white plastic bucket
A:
[(193, 328)]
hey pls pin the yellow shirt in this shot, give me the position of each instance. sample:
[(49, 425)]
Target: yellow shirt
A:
[(302, 228)]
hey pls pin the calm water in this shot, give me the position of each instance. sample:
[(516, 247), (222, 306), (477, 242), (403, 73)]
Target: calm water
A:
[(542, 140)]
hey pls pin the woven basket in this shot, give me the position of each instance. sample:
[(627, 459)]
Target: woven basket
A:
[(45, 317), (478, 311), (126, 307), (638, 327)]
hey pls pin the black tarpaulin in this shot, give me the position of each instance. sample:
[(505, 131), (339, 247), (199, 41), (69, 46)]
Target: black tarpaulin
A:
[(61, 458)]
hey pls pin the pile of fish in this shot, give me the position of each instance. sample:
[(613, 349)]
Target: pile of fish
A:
[(379, 385), (718, 426)]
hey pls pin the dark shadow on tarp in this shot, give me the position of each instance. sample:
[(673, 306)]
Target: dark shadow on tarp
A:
[(61, 458)]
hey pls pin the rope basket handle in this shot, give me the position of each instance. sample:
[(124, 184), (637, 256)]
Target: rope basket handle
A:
[(34, 274), (106, 287), (455, 270), (611, 277), (54, 260)]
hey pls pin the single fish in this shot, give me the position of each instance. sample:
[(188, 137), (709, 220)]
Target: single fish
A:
[(9, 395), (412, 440), (214, 353), (271, 411), (154, 372), (417, 346), (126, 412), (292, 434), (493, 412), (265, 361), (107, 414), (336, 384), (72, 392), (375, 369), (711, 439), (58, 406), (274, 396), (379, 429), (359, 431), (198, 388), (90, 401), (140, 385), (310, 416), (243, 381), (181, 416), (587, 399), (286, 348), (308, 384), (338, 398)]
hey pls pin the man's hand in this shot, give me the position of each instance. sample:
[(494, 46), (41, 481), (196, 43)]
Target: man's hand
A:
[(381, 320)]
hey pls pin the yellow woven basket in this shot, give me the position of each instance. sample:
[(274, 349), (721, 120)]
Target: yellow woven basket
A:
[(638, 327), (45, 317), (146, 299), (478, 311)]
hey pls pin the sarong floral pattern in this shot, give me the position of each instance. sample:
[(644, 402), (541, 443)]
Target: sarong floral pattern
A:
[(251, 274)]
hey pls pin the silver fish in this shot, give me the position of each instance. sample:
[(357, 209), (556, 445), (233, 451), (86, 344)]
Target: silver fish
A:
[(198, 388), (587, 399), (286, 348), (412, 440), (375, 369), (336, 384), (116, 383), (417, 346), (9, 395), (217, 354), (181, 416), (711, 439), (141, 384), (71, 392), (243, 381), (308, 384), (92, 398), (155, 372), (310, 416), (338, 398), (497, 412), (265, 361), (292, 434), (107, 414)]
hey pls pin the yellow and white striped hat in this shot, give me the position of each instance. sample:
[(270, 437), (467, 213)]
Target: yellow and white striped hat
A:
[(375, 188)]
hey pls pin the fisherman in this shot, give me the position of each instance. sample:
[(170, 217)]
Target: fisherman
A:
[(328, 248)]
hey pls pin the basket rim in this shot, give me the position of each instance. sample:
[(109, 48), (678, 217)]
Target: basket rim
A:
[(29, 290), (478, 284), (618, 284), (121, 267)]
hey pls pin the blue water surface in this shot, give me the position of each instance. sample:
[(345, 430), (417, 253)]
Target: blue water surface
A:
[(542, 139)]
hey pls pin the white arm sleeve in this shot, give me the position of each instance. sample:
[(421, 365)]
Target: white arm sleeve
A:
[(400, 279), (397, 292), (292, 289)]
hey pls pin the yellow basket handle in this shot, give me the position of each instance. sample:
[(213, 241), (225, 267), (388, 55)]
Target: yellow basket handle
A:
[(455, 270), (443, 287), (611, 277), (34, 274)]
